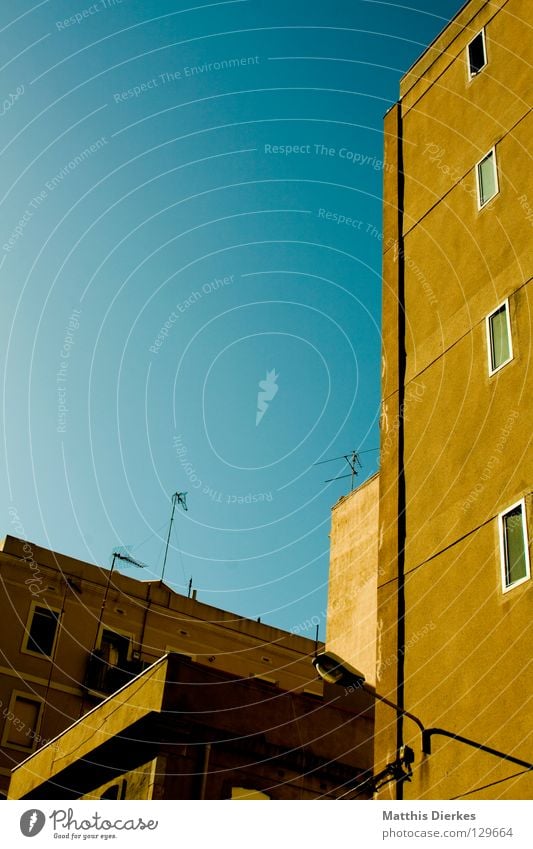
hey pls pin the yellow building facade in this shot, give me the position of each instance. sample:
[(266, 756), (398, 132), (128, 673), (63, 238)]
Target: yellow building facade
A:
[(72, 633), (454, 595), (353, 578), (185, 730), (430, 560)]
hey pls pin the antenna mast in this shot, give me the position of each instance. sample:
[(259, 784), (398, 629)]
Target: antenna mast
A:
[(177, 498), (352, 460)]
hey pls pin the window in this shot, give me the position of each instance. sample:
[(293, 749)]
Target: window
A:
[(115, 648), (476, 55), (111, 792), (22, 722), (487, 178), (116, 791), (499, 341), (514, 546), (247, 793), (41, 631)]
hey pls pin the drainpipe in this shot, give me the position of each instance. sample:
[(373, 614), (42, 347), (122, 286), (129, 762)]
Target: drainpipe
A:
[(205, 769), (145, 617), (401, 526)]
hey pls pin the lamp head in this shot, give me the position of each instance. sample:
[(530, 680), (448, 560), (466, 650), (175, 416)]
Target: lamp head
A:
[(334, 670)]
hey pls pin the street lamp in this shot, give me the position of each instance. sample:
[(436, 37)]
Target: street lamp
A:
[(334, 670)]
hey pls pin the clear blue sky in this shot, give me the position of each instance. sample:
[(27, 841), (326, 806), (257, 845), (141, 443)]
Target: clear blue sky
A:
[(191, 206)]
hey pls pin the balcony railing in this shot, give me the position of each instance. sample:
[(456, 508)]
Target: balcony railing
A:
[(102, 677)]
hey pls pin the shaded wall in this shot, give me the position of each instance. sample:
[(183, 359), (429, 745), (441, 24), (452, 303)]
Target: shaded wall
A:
[(353, 575)]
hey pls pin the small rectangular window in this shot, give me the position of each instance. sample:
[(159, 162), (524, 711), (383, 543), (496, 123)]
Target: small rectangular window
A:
[(514, 546), (22, 722), (477, 54), (42, 630), (115, 648), (487, 178), (499, 339)]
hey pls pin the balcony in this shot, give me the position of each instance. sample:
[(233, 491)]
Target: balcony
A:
[(102, 678)]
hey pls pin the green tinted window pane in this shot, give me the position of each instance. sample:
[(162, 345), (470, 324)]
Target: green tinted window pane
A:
[(487, 178), (515, 554), (499, 338)]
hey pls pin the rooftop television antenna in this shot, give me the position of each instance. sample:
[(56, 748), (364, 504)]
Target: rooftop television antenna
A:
[(118, 554), (353, 462), (177, 498), (123, 554)]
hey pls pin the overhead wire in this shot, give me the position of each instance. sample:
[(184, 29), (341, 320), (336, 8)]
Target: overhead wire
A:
[(150, 535), (492, 784)]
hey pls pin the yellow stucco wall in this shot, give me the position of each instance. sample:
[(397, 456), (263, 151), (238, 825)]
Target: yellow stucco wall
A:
[(353, 574), (156, 619), (467, 434), (137, 784), (95, 728)]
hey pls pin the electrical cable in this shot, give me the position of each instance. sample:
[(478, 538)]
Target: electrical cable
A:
[(486, 786), (152, 534)]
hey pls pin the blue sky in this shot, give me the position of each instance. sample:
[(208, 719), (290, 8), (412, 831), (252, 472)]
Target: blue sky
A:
[(190, 226)]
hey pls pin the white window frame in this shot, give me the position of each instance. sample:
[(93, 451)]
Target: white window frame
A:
[(489, 336), (484, 37), (503, 558), (15, 694), (496, 180), (24, 647)]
